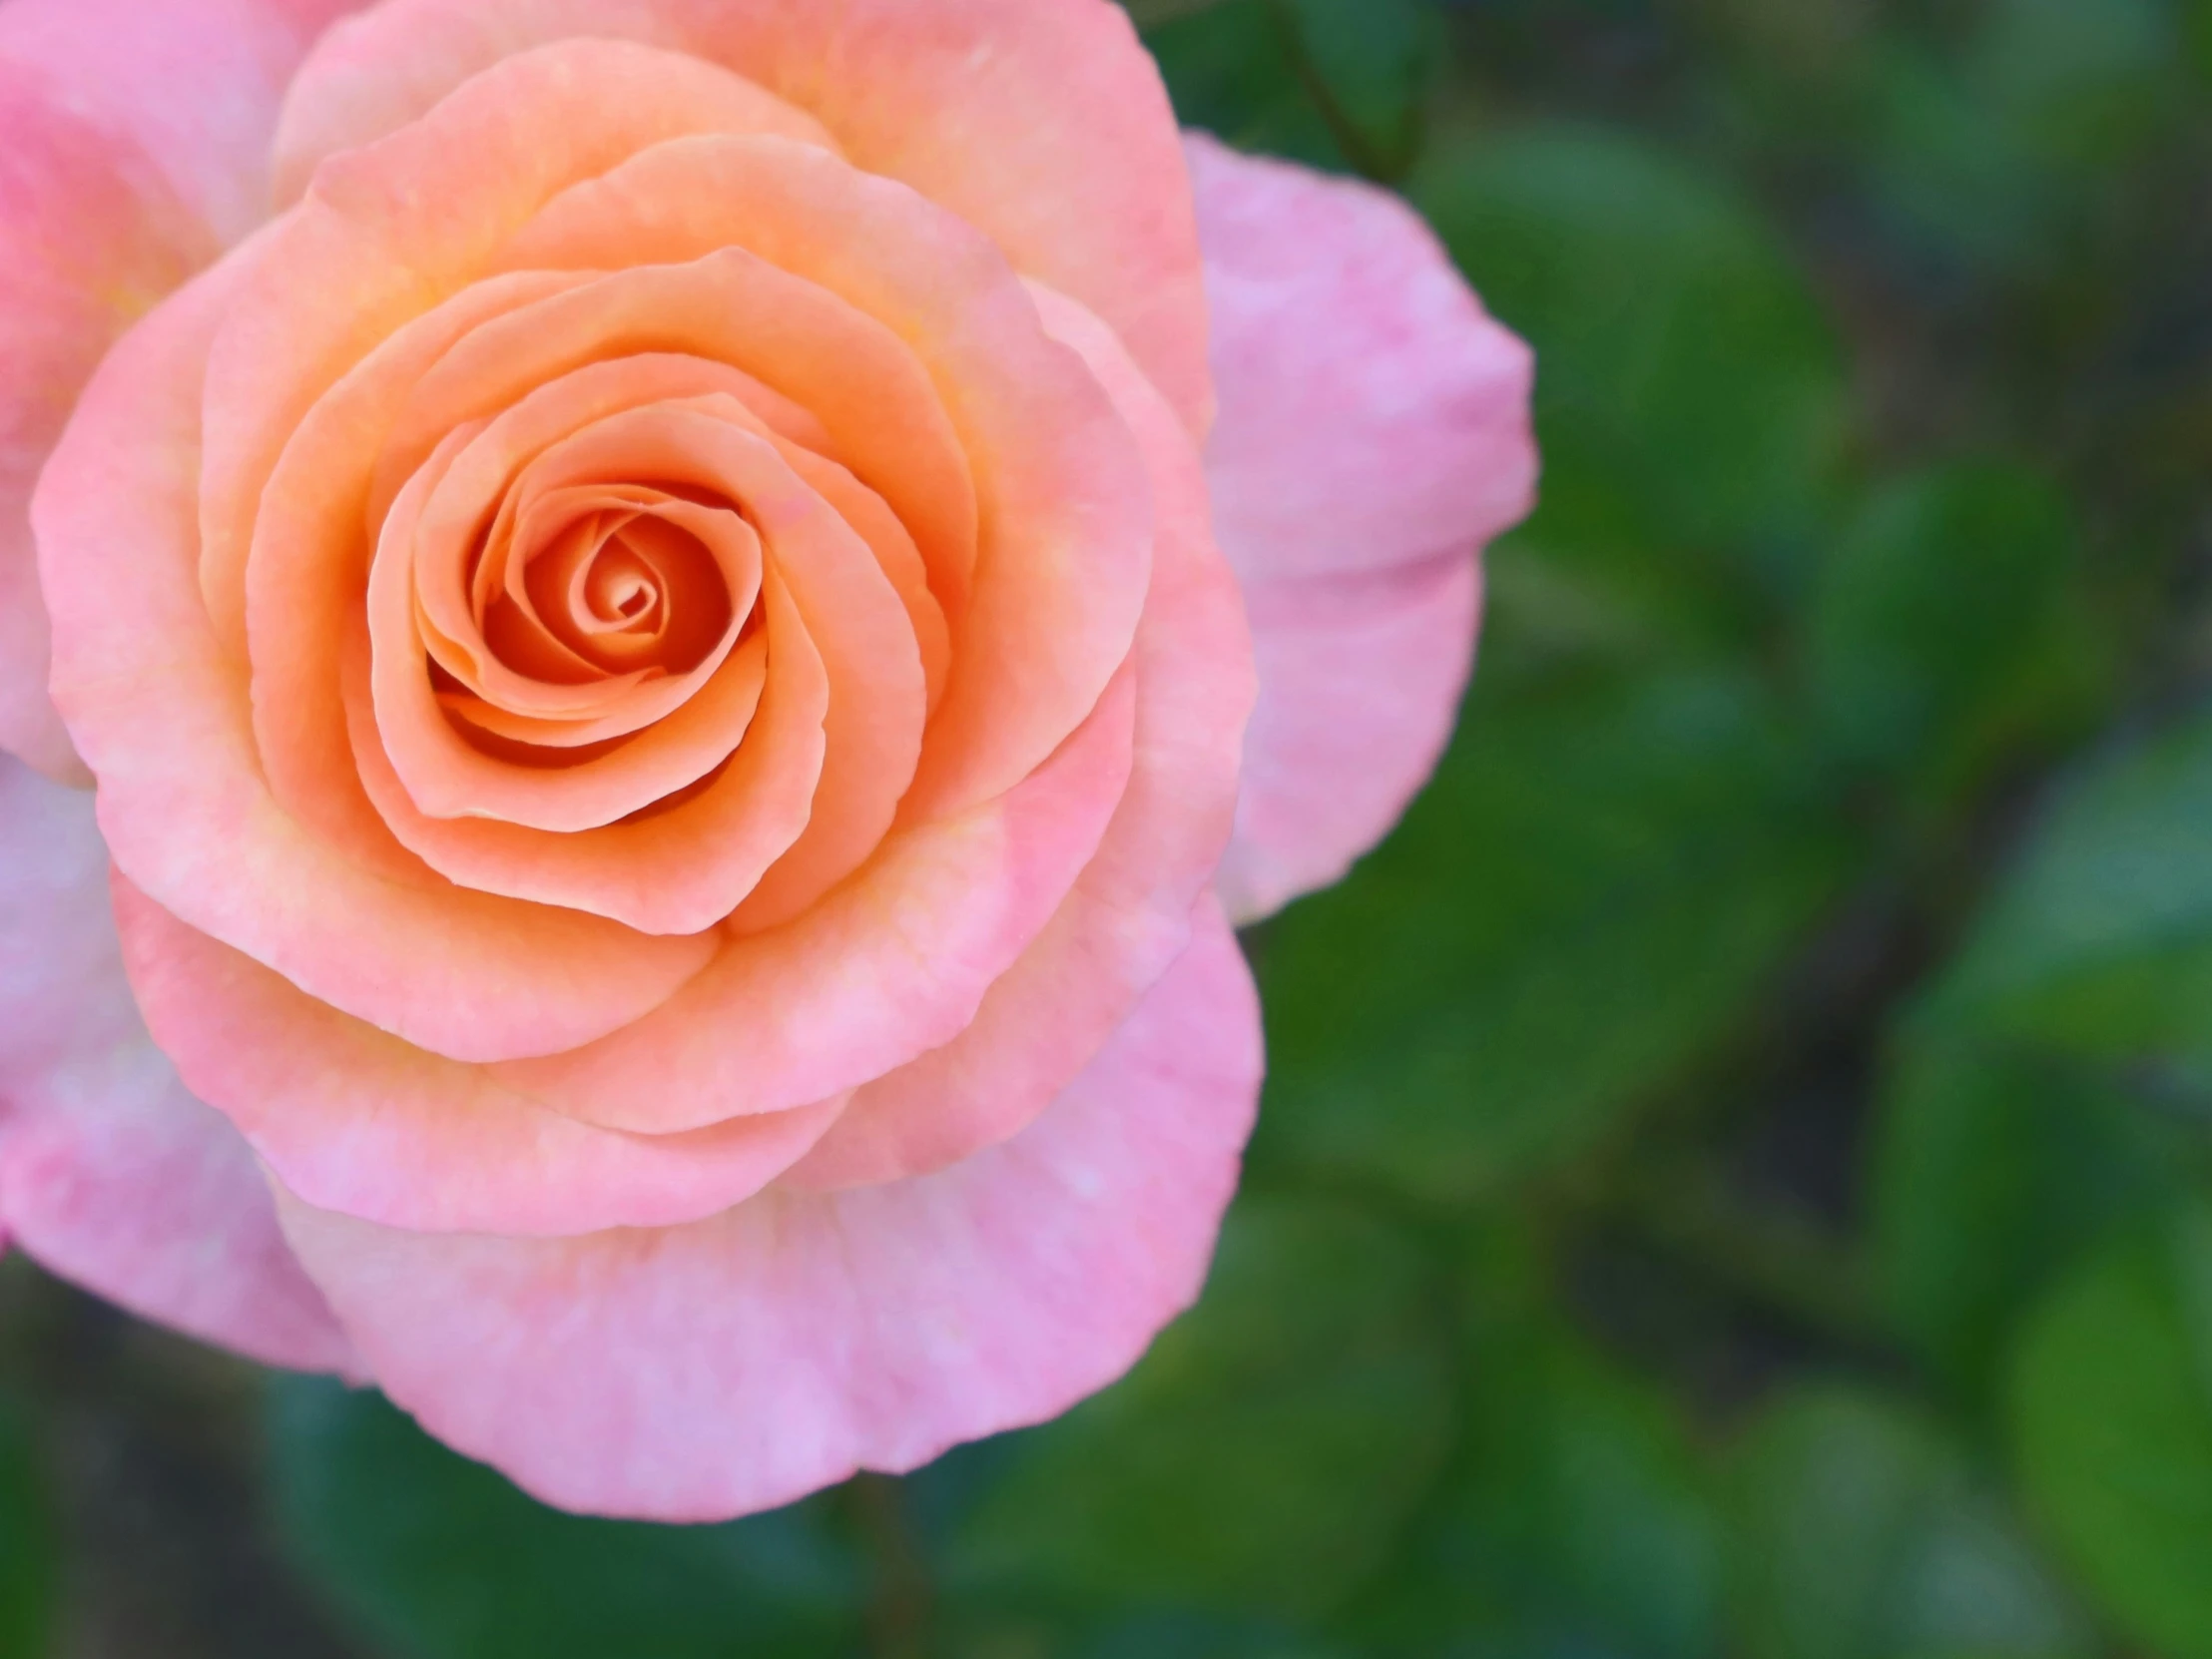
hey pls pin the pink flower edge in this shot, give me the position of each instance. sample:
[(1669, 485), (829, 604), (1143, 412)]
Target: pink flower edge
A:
[(1374, 434), (110, 1174), (801, 1336)]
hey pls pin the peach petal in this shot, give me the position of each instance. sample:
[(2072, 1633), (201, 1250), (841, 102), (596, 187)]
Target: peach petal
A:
[(872, 520), (368, 1126), (783, 1345), (887, 966), (1129, 914), (1061, 575), (392, 230), (571, 713), (678, 870), (447, 777), (163, 719), (733, 697), (504, 475), (1374, 433), (110, 1174), (307, 578), (872, 403), (850, 611), (1046, 125)]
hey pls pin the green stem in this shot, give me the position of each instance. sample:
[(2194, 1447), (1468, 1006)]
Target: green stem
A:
[(899, 1597), (1769, 1258), (1364, 157)]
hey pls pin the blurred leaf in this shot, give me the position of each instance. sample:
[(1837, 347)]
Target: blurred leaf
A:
[(1232, 69), (2197, 23), (1992, 1173), (27, 1555), (1262, 1460), (2113, 1420), (446, 1560), (1947, 629), (1371, 61), (1945, 172), (1690, 394), (964, 1631), (1582, 1525), (1150, 14), (1860, 1534), (1594, 890), (1795, 65), (2077, 80), (2099, 944), (1991, 153), (1186, 1637)]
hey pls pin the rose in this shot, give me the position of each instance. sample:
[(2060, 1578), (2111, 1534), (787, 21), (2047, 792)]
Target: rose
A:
[(665, 705), (664, 708)]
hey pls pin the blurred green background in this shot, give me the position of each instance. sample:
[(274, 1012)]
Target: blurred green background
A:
[(1735, 1177)]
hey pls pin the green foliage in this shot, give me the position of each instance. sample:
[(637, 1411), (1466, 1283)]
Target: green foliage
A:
[(1860, 1533), (1993, 149), (1369, 63), (2076, 82), (2099, 945), (1235, 70), (1629, 858), (2112, 1422), (1266, 1454), (1996, 1169), (27, 1554), (446, 1559), (1690, 395), (1582, 1519), (1946, 631), (1339, 84)]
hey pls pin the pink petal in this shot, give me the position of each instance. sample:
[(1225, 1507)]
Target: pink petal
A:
[(360, 1122), (1128, 917), (1041, 122), (892, 965), (1371, 412), (1374, 434), (194, 86), (1360, 687), (137, 138), (162, 715), (110, 1173), (732, 1365)]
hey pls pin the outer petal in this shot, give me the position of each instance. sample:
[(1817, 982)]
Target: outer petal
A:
[(736, 1364), (192, 84), (1128, 917), (366, 1124), (1374, 434), (1042, 122), (163, 718), (110, 1173), (1359, 686), (1371, 412), (133, 143), (892, 963)]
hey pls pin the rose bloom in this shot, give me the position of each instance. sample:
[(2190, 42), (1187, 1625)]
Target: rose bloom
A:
[(650, 645)]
